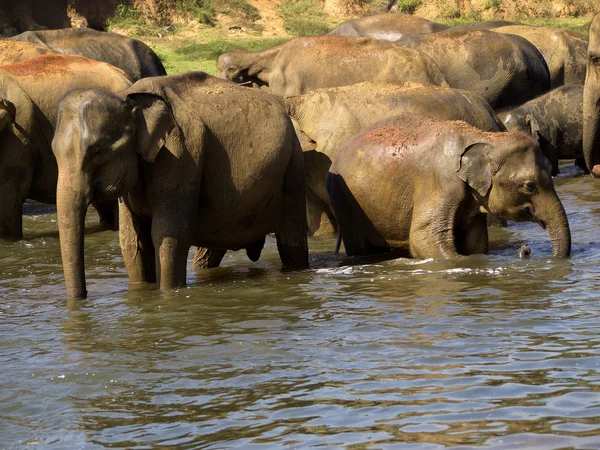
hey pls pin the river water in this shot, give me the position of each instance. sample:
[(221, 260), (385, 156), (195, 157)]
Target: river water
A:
[(480, 352)]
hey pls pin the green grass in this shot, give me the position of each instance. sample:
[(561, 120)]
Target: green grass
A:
[(580, 24), (304, 18), (204, 56)]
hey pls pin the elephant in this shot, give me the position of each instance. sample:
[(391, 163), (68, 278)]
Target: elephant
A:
[(591, 101), (504, 69), (387, 26), (15, 51), (556, 118), (326, 118), (565, 51), (424, 186), (30, 92), (196, 160), (487, 25), (134, 57), (304, 64)]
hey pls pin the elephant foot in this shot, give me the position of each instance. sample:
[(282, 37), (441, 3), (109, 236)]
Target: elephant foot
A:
[(208, 258), (596, 171)]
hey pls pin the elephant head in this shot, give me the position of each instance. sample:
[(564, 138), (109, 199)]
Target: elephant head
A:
[(591, 101), (98, 140), (509, 178), (246, 67)]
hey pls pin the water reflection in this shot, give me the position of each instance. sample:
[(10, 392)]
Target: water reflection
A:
[(490, 351)]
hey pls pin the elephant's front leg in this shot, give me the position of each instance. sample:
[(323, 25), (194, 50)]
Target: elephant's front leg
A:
[(474, 239), (136, 245), (432, 230)]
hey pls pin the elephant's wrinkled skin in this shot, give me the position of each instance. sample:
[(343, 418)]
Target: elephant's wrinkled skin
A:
[(387, 26), (30, 92), (15, 51), (134, 57), (304, 64), (557, 117), (565, 51), (192, 169), (424, 185), (591, 101), (504, 69), (326, 118)]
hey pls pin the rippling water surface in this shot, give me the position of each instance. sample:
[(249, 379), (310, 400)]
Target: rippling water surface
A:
[(484, 351)]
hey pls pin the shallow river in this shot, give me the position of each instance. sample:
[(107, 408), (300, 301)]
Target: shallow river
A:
[(487, 351)]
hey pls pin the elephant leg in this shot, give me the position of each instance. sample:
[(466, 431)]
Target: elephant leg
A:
[(580, 162), (208, 258), (171, 244), (290, 228), (108, 212), (474, 239), (253, 251), (136, 245), (11, 215), (432, 229)]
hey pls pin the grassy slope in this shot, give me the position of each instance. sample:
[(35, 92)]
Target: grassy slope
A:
[(197, 46)]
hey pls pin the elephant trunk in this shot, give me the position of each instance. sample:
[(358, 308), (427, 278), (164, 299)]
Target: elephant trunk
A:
[(591, 121), (72, 199), (549, 211)]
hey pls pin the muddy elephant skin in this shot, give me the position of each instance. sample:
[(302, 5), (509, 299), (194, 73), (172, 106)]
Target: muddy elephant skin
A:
[(425, 186)]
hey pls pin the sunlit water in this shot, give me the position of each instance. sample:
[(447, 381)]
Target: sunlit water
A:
[(484, 351)]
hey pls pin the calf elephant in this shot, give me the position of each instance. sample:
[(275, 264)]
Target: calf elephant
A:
[(30, 92), (505, 70), (563, 50), (15, 51), (557, 119), (591, 101), (134, 57), (424, 185), (304, 64), (326, 118), (387, 26), (191, 170)]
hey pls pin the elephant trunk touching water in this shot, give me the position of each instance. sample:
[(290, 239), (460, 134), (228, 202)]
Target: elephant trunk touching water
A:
[(591, 102)]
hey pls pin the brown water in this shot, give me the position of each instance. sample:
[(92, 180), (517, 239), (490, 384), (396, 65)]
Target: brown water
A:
[(486, 351)]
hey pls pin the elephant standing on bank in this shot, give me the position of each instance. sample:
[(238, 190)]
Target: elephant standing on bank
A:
[(504, 69), (30, 92), (556, 118), (307, 63), (591, 101), (387, 26), (326, 118), (425, 185), (197, 160), (134, 57)]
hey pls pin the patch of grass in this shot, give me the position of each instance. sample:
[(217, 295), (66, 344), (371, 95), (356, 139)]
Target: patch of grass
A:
[(408, 6), (304, 17), (580, 24), (203, 56), (131, 19)]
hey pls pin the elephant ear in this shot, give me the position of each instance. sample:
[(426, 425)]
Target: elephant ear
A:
[(154, 122), (475, 167), (8, 114), (548, 149)]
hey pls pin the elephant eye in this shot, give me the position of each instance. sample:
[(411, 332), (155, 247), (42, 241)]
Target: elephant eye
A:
[(528, 187)]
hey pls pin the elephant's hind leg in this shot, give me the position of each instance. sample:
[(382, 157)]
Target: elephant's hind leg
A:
[(11, 217), (136, 245), (208, 258), (290, 228)]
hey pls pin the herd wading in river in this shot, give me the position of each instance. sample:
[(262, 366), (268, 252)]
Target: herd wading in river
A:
[(393, 131)]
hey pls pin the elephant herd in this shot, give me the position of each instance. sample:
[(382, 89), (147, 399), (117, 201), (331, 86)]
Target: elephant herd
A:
[(396, 132)]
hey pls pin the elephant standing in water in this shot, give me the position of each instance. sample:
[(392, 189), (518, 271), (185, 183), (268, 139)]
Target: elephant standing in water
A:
[(504, 69), (307, 63), (425, 185), (591, 101), (326, 118), (30, 92), (556, 119), (134, 57), (387, 26), (191, 167)]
